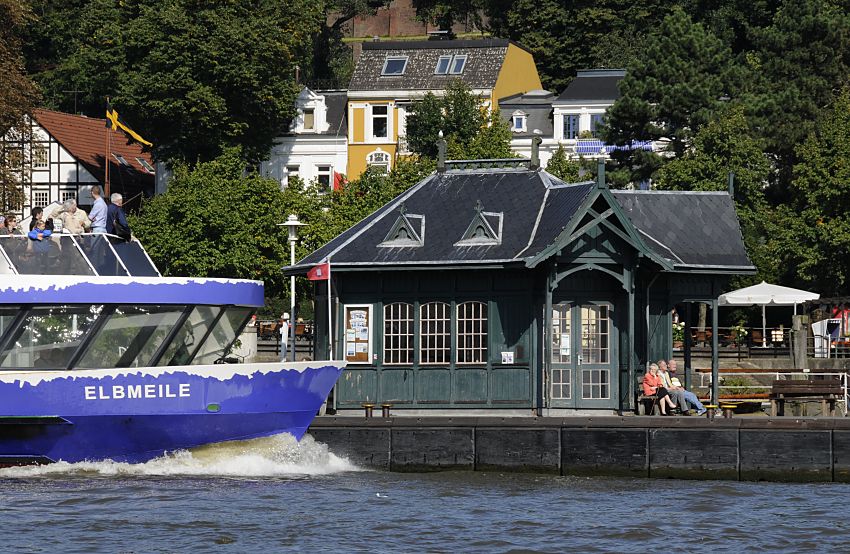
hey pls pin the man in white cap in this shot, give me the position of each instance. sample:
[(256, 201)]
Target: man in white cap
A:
[(284, 335)]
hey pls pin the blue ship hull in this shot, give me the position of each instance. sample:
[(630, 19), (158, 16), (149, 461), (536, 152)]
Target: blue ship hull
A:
[(136, 414)]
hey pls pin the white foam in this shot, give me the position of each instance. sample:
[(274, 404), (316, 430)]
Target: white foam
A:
[(276, 456)]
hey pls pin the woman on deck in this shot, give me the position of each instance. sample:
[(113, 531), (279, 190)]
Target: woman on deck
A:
[(654, 386)]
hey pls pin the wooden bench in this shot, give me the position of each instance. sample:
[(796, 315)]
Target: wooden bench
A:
[(827, 392), (646, 405)]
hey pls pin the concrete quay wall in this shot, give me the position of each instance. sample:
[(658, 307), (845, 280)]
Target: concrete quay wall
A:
[(771, 449)]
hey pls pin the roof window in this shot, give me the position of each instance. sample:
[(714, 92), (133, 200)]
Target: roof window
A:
[(443, 65), (458, 64), (144, 163), (394, 65), (121, 159)]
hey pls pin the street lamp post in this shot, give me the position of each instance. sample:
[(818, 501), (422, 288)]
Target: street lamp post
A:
[(292, 224)]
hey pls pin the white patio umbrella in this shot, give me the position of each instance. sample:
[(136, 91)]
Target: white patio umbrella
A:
[(765, 294)]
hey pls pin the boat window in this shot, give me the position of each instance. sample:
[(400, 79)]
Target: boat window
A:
[(131, 336), (190, 335), (48, 337), (223, 335), (101, 256), (54, 255)]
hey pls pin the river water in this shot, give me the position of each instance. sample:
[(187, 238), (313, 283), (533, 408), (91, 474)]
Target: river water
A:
[(276, 495)]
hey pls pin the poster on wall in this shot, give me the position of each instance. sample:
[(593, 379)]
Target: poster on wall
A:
[(358, 333)]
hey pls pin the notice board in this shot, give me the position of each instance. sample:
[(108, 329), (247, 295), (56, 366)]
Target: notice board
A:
[(358, 333)]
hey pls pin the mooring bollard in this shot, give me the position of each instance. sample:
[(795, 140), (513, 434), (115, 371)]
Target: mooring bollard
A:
[(709, 410), (727, 410), (385, 409), (368, 407)]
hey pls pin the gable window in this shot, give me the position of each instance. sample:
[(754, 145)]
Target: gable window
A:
[(39, 157), (518, 122), (380, 121), (323, 177), (472, 333), (380, 160), (309, 119), (571, 126), (394, 65), (40, 198), (398, 333), (435, 335), (443, 65), (458, 64), (596, 121)]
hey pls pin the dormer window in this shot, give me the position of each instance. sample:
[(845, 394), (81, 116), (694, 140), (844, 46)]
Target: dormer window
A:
[(458, 64), (485, 229), (451, 65), (394, 65), (309, 119), (519, 122), (407, 231)]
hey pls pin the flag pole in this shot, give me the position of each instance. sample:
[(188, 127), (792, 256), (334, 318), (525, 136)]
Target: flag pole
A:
[(106, 159), (330, 316)]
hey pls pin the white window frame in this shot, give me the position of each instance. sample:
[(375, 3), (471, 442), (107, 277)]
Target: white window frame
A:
[(389, 59), (441, 316), (40, 156), (471, 347), (441, 59), (66, 194), (402, 316), (385, 161), (372, 117), (37, 195), (453, 70), (312, 111), (577, 127), (145, 165), (322, 171), (121, 159), (521, 117)]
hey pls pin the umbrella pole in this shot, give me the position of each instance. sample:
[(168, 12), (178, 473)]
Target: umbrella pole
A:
[(763, 328)]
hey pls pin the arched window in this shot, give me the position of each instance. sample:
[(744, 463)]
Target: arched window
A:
[(379, 159), (435, 333), (472, 333), (398, 333)]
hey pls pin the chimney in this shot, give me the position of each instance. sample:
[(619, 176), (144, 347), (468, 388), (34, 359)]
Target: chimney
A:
[(534, 163), (732, 185)]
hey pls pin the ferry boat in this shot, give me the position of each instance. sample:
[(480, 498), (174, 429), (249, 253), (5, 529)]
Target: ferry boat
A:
[(103, 358)]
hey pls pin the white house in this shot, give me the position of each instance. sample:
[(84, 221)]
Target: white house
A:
[(315, 147)]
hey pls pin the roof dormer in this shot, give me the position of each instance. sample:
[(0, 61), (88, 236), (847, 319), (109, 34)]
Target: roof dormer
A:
[(312, 113), (485, 229), (408, 231)]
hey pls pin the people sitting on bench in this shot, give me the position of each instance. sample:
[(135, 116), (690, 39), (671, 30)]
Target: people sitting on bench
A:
[(654, 386), (676, 394), (689, 397)]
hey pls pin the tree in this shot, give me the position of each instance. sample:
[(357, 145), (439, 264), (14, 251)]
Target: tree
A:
[(562, 167), (18, 94), (685, 77), (470, 130), (215, 221), (193, 79), (815, 246), (803, 58)]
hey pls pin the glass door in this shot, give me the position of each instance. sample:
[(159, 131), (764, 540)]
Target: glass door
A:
[(582, 359)]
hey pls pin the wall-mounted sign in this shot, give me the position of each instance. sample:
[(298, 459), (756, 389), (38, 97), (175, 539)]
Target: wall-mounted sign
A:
[(358, 333)]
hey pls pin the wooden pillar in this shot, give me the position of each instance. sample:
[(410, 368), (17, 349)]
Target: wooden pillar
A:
[(688, 337), (630, 281), (715, 361), (547, 335)]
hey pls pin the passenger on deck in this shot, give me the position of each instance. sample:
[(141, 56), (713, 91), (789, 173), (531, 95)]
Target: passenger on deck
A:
[(74, 219), (98, 211), (40, 236), (116, 219), (690, 397), (38, 215), (653, 386), (677, 394), (10, 225)]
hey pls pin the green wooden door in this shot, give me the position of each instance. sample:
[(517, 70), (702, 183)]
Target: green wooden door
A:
[(582, 356)]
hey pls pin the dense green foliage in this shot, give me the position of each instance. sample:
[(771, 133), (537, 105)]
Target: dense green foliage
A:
[(470, 130), (562, 167)]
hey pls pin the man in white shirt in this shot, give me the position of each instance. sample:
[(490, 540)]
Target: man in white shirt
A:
[(98, 211)]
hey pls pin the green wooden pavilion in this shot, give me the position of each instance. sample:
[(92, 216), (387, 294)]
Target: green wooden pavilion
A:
[(492, 287)]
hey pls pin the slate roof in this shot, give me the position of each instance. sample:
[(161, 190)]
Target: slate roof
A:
[(536, 207), (593, 85), (687, 228), (85, 138), (337, 104), (484, 61), (537, 104)]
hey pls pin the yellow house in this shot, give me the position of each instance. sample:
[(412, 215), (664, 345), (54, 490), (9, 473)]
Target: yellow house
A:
[(389, 76)]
